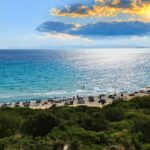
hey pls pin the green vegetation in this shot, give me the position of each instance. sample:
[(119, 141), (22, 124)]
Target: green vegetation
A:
[(120, 126)]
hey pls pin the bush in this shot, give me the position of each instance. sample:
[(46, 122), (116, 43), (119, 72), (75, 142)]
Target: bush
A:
[(25, 143), (40, 124), (124, 124), (58, 145), (146, 147), (99, 125), (142, 102), (123, 138), (114, 114), (75, 145), (8, 126), (121, 125), (93, 124), (142, 126)]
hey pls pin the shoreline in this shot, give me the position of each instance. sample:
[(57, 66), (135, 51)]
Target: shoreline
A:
[(90, 101)]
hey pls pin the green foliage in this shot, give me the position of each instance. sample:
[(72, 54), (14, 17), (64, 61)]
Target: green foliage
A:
[(25, 143), (142, 126), (143, 102), (8, 125), (122, 125), (40, 124), (146, 147), (114, 114), (58, 145), (90, 123), (123, 138), (76, 145)]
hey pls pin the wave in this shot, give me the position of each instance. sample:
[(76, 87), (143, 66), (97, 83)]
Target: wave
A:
[(29, 96)]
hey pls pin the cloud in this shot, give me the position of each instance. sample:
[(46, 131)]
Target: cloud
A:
[(55, 27), (61, 36), (96, 30), (107, 8)]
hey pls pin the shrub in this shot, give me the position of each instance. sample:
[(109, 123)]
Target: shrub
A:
[(114, 114), (40, 124), (58, 145), (93, 124), (75, 145), (142, 102), (8, 126), (142, 126), (146, 147), (99, 125)]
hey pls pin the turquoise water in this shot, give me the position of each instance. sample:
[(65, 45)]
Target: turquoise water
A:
[(31, 74)]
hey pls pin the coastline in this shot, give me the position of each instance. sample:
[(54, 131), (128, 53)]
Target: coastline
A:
[(90, 101)]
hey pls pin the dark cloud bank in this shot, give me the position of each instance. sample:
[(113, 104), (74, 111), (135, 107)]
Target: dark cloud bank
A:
[(99, 29)]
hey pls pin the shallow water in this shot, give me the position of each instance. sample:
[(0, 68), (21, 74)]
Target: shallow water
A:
[(31, 74)]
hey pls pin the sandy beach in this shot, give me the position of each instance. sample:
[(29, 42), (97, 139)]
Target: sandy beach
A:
[(90, 101)]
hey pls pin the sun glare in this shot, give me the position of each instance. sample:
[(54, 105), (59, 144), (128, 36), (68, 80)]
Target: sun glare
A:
[(147, 12)]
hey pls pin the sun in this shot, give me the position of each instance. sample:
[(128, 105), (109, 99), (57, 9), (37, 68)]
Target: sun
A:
[(147, 12), (142, 12)]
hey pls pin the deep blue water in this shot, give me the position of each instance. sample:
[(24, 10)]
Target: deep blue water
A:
[(31, 74)]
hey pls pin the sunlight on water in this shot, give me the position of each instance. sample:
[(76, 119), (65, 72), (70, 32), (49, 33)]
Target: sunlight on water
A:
[(43, 74)]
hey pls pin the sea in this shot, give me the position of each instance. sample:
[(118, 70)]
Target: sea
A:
[(41, 74)]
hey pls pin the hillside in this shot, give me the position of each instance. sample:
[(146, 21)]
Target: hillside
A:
[(124, 125)]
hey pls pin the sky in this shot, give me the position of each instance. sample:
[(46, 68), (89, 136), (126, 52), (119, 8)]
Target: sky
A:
[(74, 23)]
